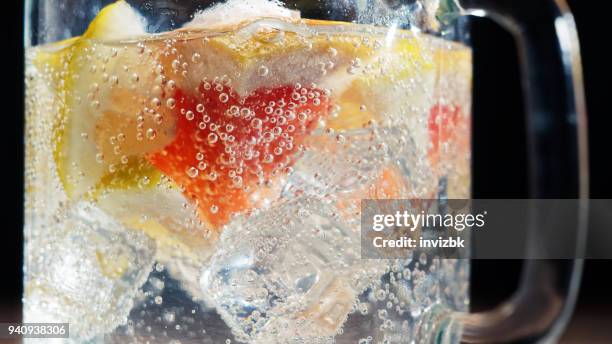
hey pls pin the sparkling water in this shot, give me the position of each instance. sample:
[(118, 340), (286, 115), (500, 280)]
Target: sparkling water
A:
[(204, 185)]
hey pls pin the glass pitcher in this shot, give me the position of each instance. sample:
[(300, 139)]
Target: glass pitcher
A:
[(194, 169)]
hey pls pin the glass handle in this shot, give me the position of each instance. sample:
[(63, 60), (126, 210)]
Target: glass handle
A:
[(549, 51)]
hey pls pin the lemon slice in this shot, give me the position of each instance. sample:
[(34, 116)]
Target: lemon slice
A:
[(116, 21), (107, 121), (112, 109), (261, 53), (401, 83)]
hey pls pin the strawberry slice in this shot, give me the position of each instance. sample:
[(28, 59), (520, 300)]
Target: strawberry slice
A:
[(443, 122), (227, 147)]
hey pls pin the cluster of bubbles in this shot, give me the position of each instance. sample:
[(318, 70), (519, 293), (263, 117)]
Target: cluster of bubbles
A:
[(256, 133)]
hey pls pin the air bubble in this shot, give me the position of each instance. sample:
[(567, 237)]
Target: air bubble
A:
[(159, 119), (423, 258), (256, 123), (234, 110), (262, 71), (212, 138), (192, 172), (170, 103), (268, 158), (237, 181), (245, 112), (268, 136), (145, 181), (151, 134)]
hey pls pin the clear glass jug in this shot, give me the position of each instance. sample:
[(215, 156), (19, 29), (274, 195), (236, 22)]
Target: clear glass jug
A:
[(194, 169)]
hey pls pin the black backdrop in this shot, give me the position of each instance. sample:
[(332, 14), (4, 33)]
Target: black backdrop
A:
[(499, 158)]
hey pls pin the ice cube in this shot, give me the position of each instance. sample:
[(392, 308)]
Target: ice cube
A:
[(183, 242), (233, 12), (293, 270), (353, 160), (85, 269)]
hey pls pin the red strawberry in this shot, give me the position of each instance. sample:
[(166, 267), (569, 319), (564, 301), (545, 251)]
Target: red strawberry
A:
[(443, 122), (227, 146)]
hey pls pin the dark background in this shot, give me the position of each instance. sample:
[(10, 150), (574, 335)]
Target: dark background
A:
[(499, 160), (499, 156)]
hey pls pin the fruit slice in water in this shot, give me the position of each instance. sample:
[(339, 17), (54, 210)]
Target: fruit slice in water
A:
[(105, 120), (262, 53), (227, 146), (111, 111), (443, 125), (257, 73)]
